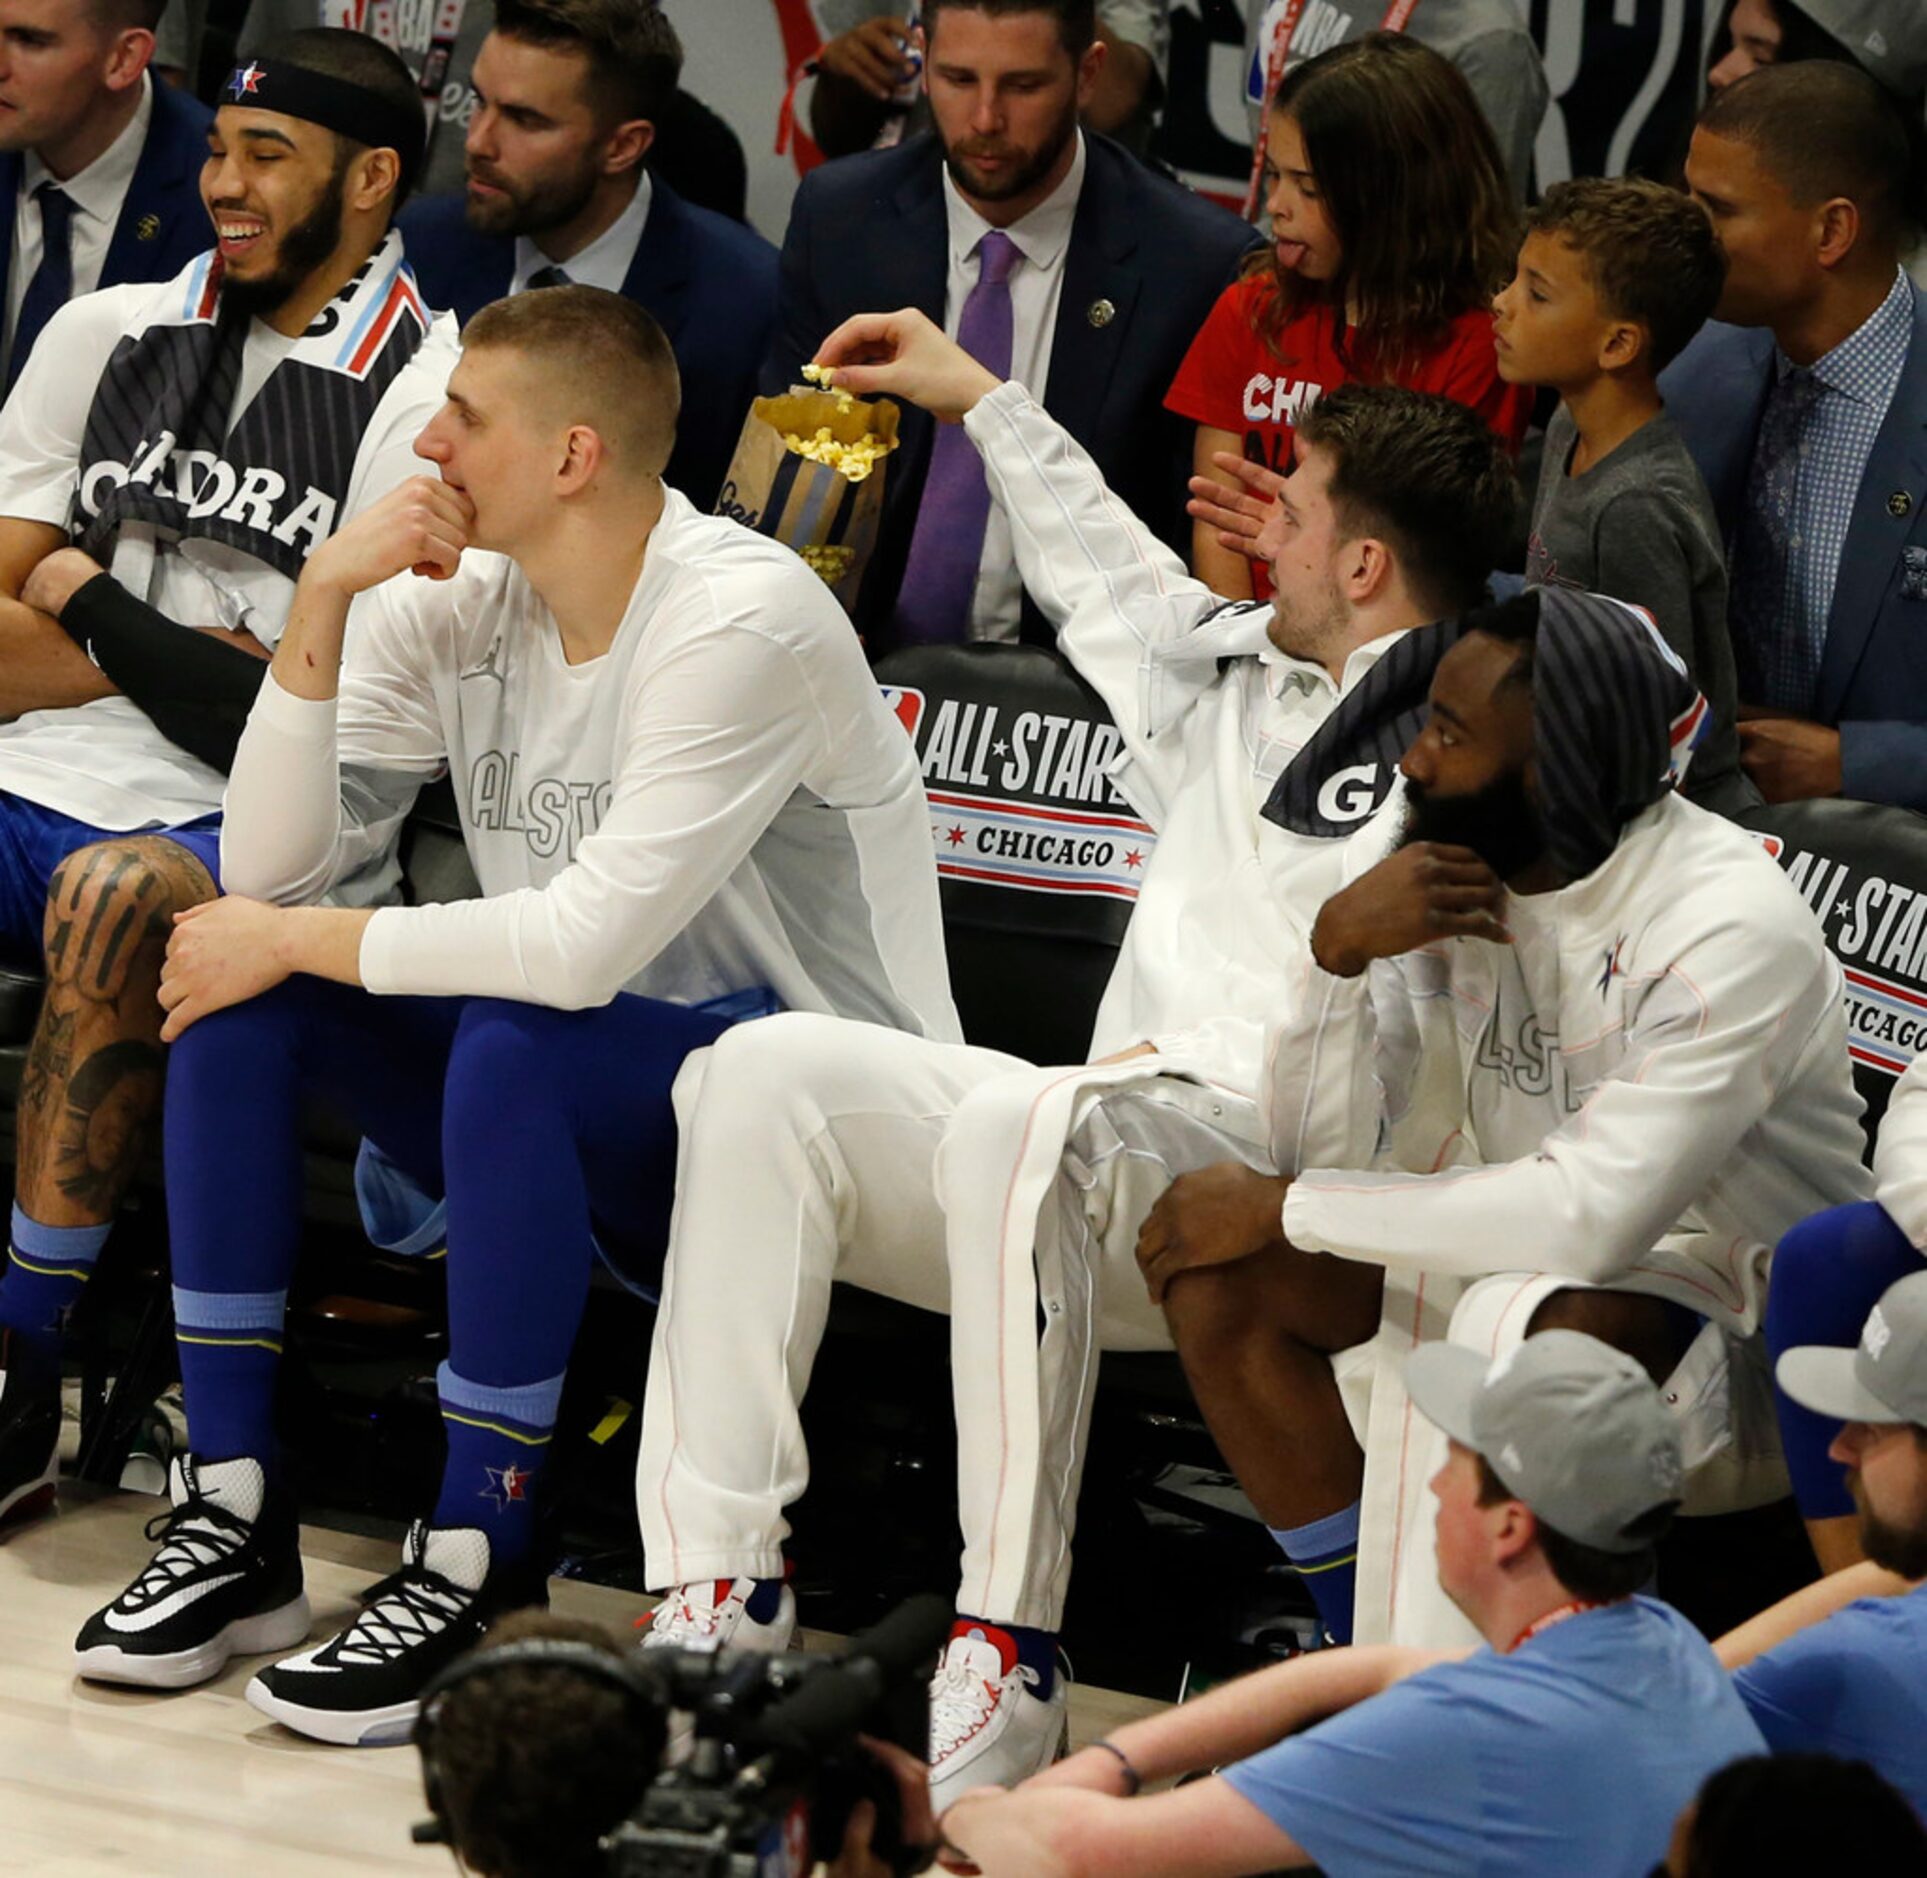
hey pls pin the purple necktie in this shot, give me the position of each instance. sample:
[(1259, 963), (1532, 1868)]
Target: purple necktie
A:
[(933, 604)]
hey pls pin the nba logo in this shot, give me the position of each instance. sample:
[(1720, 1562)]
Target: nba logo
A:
[(907, 702)]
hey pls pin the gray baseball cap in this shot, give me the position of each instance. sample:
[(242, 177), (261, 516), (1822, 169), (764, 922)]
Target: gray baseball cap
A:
[(1572, 1426), (1885, 1379), (1887, 38)]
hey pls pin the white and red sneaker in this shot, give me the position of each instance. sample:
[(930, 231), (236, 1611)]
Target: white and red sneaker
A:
[(715, 1615), (987, 1726)]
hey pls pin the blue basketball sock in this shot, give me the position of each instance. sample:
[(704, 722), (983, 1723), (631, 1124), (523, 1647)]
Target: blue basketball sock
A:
[(1035, 1649), (498, 1439), (230, 1348), (765, 1601), (1325, 1555), (46, 1268)]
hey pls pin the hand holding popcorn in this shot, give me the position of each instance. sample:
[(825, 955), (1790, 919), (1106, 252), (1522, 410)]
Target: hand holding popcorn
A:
[(904, 355)]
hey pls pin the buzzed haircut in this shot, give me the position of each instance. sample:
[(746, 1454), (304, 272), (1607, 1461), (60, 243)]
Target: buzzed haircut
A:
[(1822, 129), (1076, 19), (1649, 251), (603, 359), (356, 59), (634, 55), (1425, 475)]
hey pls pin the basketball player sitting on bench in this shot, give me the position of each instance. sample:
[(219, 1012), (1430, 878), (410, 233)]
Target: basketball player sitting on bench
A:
[(683, 795)]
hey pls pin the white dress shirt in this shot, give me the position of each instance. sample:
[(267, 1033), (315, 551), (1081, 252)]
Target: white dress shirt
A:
[(96, 193), (605, 262), (1043, 237)]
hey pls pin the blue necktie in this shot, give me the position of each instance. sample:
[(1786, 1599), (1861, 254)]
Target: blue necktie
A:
[(1776, 649), (940, 578), (547, 277), (52, 285)]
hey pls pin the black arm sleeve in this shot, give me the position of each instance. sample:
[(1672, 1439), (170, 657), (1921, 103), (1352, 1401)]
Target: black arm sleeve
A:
[(197, 690)]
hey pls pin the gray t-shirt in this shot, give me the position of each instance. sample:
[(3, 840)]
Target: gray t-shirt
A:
[(1486, 39), (414, 29), (1640, 526)]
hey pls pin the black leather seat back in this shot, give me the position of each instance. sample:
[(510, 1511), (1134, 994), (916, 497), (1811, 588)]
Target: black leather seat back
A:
[(1862, 867), (1038, 855)]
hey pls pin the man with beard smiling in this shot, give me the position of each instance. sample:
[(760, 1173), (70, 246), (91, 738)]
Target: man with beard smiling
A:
[(568, 98), (1573, 1037), (1052, 256), (1820, 1675), (194, 441)]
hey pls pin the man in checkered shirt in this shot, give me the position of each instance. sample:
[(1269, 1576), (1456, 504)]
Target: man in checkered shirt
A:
[(1805, 414)]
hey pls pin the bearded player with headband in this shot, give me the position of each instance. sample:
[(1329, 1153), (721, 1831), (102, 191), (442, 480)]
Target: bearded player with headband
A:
[(195, 441)]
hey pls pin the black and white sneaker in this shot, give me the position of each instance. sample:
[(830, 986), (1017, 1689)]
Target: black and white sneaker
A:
[(361, 1688), (29, 1435), (226, 1581)]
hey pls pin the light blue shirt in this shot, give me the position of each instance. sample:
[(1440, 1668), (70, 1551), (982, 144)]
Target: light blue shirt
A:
[(1573, 1754), (1856, 380), (1854, 1686)]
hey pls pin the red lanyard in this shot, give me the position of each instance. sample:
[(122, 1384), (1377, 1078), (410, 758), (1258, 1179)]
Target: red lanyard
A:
[(1557, 1615), (1277, 55)]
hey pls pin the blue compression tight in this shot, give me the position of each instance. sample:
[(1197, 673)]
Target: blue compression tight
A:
[(542, 1127), (1828, 1273)]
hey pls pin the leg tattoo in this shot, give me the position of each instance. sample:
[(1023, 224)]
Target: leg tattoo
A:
[(93, 1077)]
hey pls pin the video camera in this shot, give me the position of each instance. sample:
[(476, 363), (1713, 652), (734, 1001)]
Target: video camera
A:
[(773, 1766)]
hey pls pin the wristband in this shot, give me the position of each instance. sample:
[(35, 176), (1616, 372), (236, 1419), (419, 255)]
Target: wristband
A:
[(1133, 1780)]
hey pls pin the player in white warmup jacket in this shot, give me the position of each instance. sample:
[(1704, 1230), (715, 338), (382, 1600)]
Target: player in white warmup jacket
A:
[(811, 1149), (684, 796), (1597, 1106)]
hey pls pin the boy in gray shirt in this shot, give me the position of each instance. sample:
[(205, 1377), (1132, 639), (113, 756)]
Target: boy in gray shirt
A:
[(1613, 279)]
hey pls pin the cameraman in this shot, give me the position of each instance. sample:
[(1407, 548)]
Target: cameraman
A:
[(527, 1769)]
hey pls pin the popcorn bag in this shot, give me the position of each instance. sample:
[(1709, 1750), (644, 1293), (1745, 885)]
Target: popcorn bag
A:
[(809, 471)]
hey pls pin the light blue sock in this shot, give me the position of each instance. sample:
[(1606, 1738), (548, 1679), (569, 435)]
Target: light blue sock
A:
[(498, 1439), (1325, 1555), (230, 1350), (46, 1268)]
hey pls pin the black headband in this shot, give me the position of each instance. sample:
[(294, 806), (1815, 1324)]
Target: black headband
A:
[(337, 104)]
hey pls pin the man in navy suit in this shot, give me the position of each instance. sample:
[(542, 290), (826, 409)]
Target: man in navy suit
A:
[(1007, 218), (568, 94), (1807, 415), (100, 168)]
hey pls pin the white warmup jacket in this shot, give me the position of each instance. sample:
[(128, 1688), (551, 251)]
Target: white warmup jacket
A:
[(1900, 1154), (1644, 1091), (1210, 712)]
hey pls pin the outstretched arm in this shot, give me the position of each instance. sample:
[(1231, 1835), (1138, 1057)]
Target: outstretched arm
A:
[(1120, 599)]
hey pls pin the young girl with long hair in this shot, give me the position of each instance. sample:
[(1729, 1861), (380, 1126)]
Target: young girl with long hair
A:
[(1392, 224)]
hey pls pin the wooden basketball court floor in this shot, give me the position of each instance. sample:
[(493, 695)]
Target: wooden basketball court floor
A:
[(97, 1782)]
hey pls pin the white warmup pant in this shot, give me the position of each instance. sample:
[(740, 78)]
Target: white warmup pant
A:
[(1045, 1178), (806, 1155)]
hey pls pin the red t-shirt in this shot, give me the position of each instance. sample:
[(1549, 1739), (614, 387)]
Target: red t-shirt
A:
[(1231, 380)]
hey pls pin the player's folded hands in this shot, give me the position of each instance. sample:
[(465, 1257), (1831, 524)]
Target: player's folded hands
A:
[(905, 355), (223, 952), (420, 526)]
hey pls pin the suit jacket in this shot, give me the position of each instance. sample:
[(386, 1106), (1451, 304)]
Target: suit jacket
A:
[(869, 233), (1873, 667), (709, 282), (163, 223)]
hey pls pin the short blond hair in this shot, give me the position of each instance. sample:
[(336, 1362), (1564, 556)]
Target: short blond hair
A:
[(602, 359)]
